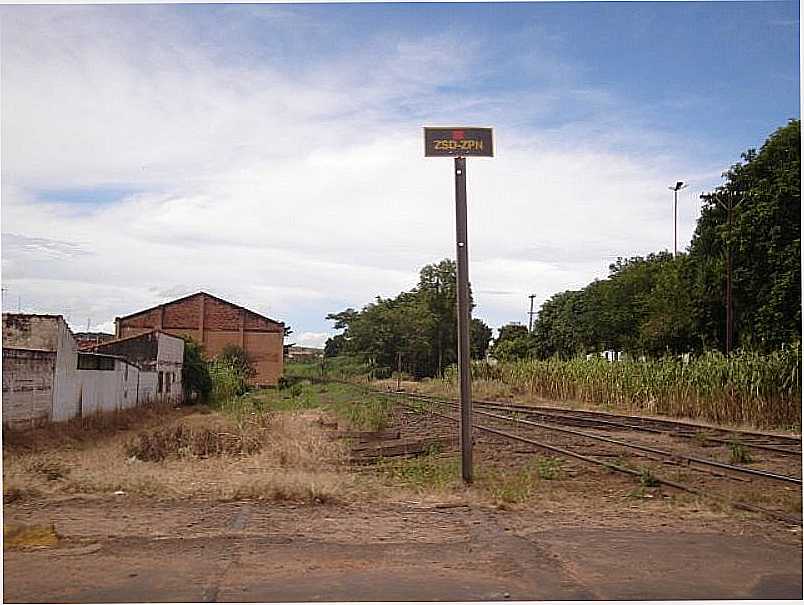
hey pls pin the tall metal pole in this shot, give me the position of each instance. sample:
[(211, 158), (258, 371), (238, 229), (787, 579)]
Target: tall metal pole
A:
[(462, 244), (530, 313), (675, 222), (679, 185), (729, 207), (729, 304)]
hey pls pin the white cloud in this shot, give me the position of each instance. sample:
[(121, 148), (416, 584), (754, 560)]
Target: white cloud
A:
[(295, 193)]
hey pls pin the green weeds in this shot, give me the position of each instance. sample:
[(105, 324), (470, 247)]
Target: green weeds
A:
[(738, 453)]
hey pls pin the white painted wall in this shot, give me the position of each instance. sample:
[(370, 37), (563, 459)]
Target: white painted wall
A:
[(147, 386), (170, 359), (66, 385), (77, 392)]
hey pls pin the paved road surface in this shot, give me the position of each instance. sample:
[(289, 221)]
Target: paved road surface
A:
[(262, 553)]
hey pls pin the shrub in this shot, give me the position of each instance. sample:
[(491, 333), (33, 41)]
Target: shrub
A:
[(184, 441), (196, 381)]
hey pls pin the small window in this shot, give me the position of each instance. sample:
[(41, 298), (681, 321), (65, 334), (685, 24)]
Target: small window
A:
[(95, 362), (167, 378), (159, 382)]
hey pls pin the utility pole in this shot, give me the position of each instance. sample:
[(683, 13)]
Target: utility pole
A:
[(729, 207), (530, 313), (675, 189), (399, 370)]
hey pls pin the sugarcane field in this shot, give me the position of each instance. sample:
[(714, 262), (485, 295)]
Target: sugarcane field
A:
[(402, 302)]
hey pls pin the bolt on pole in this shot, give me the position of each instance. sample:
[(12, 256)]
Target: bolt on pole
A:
[(464, 376)]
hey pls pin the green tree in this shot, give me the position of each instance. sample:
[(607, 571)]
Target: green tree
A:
[(195, 378), (421, 324), (480, 335), (765, 242), (513, 342)]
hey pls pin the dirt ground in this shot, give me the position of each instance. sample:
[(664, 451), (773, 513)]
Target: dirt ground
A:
[(295, 521)]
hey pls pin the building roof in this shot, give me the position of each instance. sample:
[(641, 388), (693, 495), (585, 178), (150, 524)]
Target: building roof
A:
[(114, 341), (219, 299)]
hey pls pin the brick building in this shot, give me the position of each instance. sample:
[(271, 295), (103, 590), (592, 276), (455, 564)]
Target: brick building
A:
[(215, 323)]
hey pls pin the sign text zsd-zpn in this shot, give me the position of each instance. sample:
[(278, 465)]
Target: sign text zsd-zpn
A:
[(458, 142)]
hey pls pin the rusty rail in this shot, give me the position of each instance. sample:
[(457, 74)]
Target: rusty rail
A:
[(616, 467)]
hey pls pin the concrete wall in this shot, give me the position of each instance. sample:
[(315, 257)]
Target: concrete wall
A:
[(109, 390), (42, 385), (216, 323), (27, 385), (170, 360), (67, 382), (31, 331), (155, 353)]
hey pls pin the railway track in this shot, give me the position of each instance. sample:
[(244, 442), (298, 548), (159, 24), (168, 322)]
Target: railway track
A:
[(675, 457), (781, 444), (511, 417)]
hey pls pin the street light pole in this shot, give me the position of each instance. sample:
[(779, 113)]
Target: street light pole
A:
[(675, 189)]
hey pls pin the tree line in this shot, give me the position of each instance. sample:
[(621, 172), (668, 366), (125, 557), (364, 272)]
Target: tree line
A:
[(659, 304), (653, 305), (416, 329)]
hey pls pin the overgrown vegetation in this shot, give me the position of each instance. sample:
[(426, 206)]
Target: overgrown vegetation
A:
[(747, 387), (428, 472), (195, 379), (230, 372), (738, 453), (184, 441)]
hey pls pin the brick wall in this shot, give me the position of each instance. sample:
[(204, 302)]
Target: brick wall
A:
[(184, 314), (224, 324)]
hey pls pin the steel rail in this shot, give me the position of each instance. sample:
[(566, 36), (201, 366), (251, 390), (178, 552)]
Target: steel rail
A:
[(562, 413), (640, 427), (674, 423), (680, 486), (653, 450)]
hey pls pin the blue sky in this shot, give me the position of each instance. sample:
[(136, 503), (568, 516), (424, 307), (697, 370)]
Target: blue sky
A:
[(271, 153)]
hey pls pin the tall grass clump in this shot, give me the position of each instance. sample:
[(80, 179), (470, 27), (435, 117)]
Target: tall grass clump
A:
[(746, 387), (371, 414)]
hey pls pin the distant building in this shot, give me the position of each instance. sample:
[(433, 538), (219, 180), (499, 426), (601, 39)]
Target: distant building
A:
[(302, 353), (86, 340), (215, 323)]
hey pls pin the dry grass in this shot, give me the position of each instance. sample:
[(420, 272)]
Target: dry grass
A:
[(87, 431), (295, 461)]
